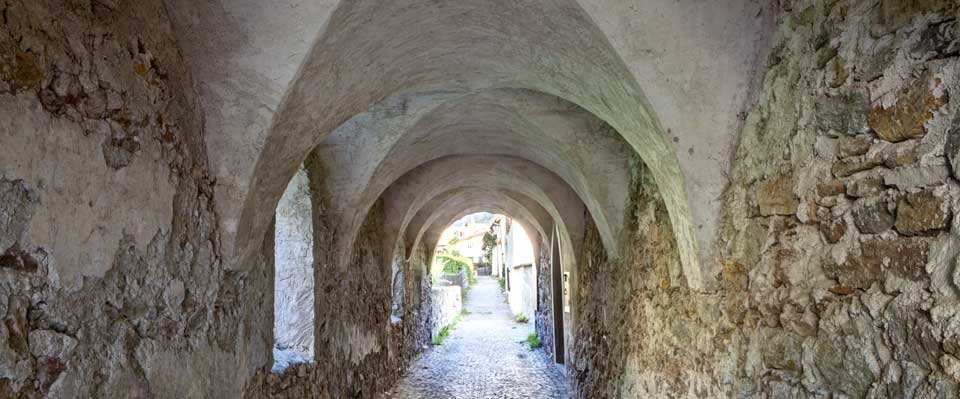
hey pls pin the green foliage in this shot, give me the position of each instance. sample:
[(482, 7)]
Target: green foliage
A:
[(489, 243), (521, 318), (453, 264), (534, 341), (503, 283), (444, 333), (447, 329)]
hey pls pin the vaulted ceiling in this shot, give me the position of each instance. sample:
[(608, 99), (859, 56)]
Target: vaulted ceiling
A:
[(534, 108)]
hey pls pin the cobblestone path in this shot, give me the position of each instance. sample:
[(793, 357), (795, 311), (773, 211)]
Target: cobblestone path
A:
[(486, 357)]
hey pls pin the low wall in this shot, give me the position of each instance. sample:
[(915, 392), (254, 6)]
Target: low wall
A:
[(445, 305), (459, 279)]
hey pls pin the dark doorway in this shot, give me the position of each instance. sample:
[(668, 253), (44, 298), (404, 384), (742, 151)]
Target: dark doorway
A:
[(557, 274)]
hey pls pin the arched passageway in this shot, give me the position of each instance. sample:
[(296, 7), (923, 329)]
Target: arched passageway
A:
[(246, 198)]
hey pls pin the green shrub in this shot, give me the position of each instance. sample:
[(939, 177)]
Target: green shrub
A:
[(521, 318), (534, 341), (453, 264)]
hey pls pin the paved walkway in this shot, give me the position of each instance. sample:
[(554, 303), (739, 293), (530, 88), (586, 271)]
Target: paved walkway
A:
[(486, 357)]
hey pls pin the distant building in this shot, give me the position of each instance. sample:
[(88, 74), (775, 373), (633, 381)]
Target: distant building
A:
[(465, 236)]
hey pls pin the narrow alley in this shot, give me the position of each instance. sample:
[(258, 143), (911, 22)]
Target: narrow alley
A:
[(486, 356)]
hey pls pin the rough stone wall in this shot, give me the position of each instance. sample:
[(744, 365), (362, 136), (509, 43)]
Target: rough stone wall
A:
[(543, 319), (841, 218), (110, 276), (619, 337), (839, 252), (361, 352)]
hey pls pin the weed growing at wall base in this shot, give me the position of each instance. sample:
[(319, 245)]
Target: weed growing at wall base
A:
[(447, 329), (534, 341)]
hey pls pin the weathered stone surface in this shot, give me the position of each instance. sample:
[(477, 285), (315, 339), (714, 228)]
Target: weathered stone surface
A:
[(18, 259), (852, 146), (903, 257), (906, 258), (912, 335), (921, 213), (831, 188), (849, 166), (17, 328), (907, 118), (832, 227), (894, 14), (872, 216), (839, 356), (775, 196), (854, 273), (917, 177), (938, 40), (51, 344), (952, 148), (866, 187), (783, 352), (844, 114)]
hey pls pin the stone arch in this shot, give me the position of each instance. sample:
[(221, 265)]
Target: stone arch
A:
[(543, 193), (370, 50), (544, 129)]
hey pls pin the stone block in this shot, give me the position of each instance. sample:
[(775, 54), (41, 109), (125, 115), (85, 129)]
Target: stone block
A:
[(830, 188), (849, 166), (844, 114), (921, 213), (905, 120), (867, 187), (871, 216), (775, 197), (852, 146), (904, 257), (832, 227)]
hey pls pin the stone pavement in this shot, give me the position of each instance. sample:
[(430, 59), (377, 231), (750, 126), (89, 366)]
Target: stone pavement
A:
[(486, 357)]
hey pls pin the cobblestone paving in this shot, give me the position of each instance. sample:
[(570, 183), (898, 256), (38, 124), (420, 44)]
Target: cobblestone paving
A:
[(486, 357)]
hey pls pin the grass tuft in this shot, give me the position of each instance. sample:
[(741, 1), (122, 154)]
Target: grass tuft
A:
[(534, 341)]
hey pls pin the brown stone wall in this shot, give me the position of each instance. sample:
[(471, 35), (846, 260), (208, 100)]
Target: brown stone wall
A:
[(839, 252)]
